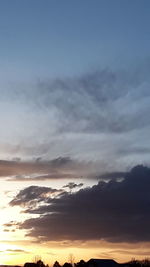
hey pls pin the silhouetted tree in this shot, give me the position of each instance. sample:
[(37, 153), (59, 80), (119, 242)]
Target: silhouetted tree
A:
[(66, 264), (138, 263), (56, 264), (81, 263), (40, 263)]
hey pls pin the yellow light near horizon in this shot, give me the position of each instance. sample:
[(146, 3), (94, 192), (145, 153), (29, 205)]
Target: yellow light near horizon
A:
[(49, 253), (52, 250)]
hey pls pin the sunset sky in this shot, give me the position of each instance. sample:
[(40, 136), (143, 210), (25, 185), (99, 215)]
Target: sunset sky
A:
[(75, 130)]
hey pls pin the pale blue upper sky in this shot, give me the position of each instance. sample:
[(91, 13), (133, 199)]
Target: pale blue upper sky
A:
[(99, 51), (51, 38)]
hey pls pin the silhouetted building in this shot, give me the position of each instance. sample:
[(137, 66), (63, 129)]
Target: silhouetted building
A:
[(102, 263), (30, 264)]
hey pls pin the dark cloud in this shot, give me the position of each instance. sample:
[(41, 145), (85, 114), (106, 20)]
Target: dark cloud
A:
[(114, 211), (33, 194), (10, 224), (57, 168)]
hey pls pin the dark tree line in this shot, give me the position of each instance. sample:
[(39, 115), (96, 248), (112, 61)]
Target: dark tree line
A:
[(82, 263)]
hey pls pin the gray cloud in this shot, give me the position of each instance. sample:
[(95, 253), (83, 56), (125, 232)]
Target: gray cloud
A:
[(58, 168), (113, 211), (99, 101), (33, 194), (100, 115)]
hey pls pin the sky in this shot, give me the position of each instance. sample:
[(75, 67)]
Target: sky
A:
[(75, 125)]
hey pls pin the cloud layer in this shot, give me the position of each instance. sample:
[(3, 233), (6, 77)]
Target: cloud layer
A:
[(38, 170), (100, 115), (113, 211)]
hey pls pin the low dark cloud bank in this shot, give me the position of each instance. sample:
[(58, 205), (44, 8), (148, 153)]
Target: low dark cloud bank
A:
[(57, 168), (38, 169), (113, 211)]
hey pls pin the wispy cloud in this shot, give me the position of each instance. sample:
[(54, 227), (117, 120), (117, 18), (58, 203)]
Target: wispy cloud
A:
[(81, 117), (14, 251)]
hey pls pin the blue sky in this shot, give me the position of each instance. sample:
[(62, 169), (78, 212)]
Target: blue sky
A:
[(51, 38), (79, 70)]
